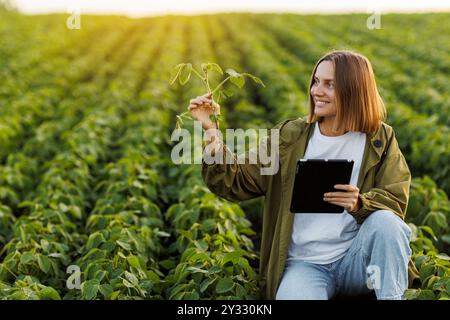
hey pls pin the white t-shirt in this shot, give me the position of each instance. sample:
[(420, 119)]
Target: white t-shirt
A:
[(324, 238)]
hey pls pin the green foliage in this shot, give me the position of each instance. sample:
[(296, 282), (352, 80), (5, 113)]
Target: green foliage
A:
[(85, 171), (183, 73), (430, 206)]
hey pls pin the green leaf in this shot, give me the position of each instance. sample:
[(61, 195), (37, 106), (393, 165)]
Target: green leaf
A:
[(430, 282), (26, 258), (426, 295), (420, 260), (443, 256), (45, 245), (108, 246), (195, 270), (201, 245), (44, 263), (167, 264), (446, 238), (95, 240), (426, 271), (193, 295), (232, 256), (127, 283), (206, 283), (255, 79), (124, 245), (163, 234), (224, 285), (48, 293), (228, 92), (18, 295), (187, 253), (89, 289), (214, 269), (202, 256), (114, 295), (133, 261), (106, 290), (208, 225), (429, 231), (236, 78), (411, 294), (238, 81), (152, 276), (76, 212), (132, 278), (211, 66), (100, 274), (176, 290), (232, 73)]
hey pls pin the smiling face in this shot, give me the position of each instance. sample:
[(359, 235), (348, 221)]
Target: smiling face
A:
[(322, 90), (344, 95)]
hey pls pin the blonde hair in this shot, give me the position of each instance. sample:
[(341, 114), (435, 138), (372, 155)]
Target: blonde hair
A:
[(358, 103)]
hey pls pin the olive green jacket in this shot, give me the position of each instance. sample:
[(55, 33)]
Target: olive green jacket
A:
[(384, 183)]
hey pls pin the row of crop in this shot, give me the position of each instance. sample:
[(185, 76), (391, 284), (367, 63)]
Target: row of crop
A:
[(120, 258), (109, 169), (283, 98), (34, 57), (241, 109), (36, 89), (243, 112), (66, 191), (44, 239), (414, 35), (210, 255), (124, 233), (23, 170), (18, 176)]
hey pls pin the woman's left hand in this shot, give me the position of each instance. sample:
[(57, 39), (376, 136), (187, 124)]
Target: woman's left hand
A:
[(348, 199)]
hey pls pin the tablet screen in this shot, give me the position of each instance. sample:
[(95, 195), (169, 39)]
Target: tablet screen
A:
[(314, 178)]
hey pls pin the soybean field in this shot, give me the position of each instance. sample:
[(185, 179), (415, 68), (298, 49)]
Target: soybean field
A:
[(93, 207)]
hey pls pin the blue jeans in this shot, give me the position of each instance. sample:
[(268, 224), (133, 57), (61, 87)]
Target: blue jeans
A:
[(376, 260)]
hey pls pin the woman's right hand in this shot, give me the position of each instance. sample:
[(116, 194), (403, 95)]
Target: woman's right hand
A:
[(201, 109)]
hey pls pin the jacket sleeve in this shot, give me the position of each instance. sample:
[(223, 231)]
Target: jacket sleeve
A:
[(392, 185), (239, 179)]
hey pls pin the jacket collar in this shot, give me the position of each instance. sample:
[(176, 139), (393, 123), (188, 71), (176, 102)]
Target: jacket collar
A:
[(378, 139), (374, 147)]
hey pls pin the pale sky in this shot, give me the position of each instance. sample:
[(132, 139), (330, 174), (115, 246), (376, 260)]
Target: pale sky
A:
[(138, 8)]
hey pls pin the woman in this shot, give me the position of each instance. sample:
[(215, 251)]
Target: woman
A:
[(317, 256)]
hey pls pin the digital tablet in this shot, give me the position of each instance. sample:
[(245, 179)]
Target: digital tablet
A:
[(314, 178)]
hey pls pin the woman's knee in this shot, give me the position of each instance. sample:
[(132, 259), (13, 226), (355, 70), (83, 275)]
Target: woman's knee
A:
[(387, 224), (295, 291), (304, 281)]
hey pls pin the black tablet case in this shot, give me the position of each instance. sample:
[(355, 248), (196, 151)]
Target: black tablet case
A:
[(314, 178)]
